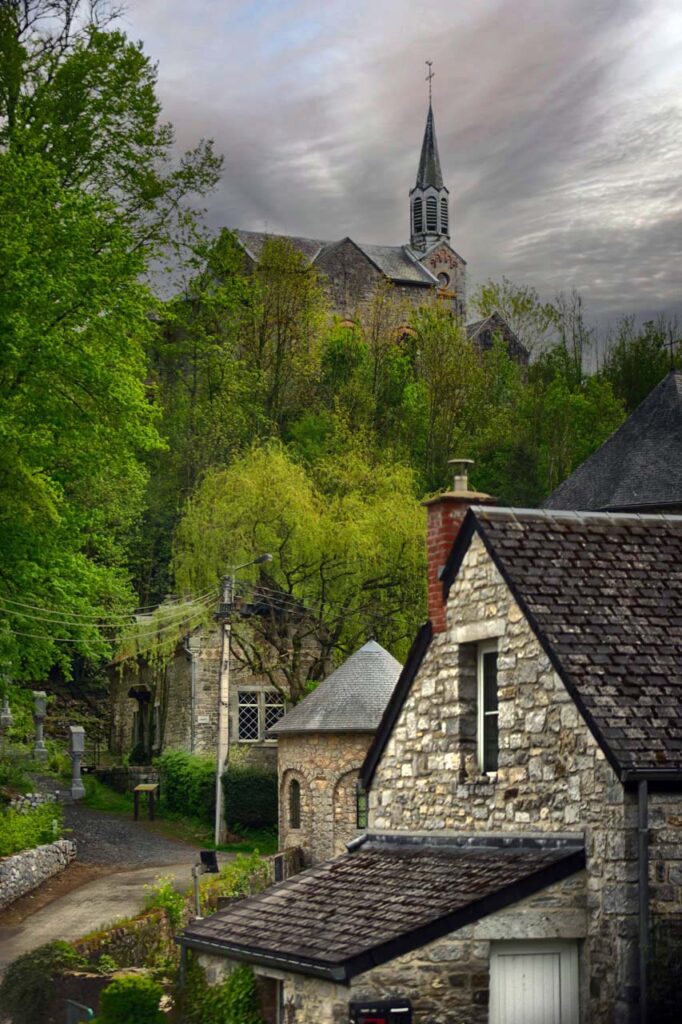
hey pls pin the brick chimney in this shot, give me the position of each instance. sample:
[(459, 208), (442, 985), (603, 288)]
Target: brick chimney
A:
[(445, 516)]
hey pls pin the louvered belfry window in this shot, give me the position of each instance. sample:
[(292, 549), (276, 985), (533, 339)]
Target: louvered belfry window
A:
[(432, 214), (444, 215), (417, 216)]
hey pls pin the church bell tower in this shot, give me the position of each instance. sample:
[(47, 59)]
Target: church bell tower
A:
[(429, 220)]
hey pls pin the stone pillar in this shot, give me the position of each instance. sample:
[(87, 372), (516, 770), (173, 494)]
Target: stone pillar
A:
[(5, 721), (40, 706), (77, 746)]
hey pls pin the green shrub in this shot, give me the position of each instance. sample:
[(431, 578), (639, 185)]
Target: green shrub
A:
[(243, 876), (188, 784), (234, 1001), (133, 999), (27, 988), (250, 796), (23, 830), (163, 894), (13, 774)]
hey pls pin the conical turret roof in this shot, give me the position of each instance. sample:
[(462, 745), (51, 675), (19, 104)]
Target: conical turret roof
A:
[(351, 699), (429, 173)]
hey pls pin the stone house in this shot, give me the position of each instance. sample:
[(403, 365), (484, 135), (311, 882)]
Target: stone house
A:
[(177, 708), (321, 745), (524, 850)]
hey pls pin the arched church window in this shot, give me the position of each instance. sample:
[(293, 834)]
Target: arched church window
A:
[(444, 215), (432, 214), (443, 280), (294, 804), (417, 216)]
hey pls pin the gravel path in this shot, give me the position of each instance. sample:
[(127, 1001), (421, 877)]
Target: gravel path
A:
[(103, 838)]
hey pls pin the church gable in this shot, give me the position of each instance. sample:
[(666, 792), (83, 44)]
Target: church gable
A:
[(448, 267), (352, 276)]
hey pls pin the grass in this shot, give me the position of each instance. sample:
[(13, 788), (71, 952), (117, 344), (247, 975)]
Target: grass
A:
[(177, 826)]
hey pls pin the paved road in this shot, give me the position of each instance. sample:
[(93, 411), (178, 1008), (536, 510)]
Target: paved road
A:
[(120, 894), (130, 855)]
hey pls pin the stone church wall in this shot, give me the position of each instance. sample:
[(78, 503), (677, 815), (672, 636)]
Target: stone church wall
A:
[(552, 775), (326, 766)]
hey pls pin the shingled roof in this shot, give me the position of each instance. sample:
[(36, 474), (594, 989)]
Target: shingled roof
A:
[(603, 593), (390, 896), (429, 172), (639, 466), (351, 699)]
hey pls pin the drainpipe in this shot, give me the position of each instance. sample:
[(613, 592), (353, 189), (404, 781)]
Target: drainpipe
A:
[(643, 865)]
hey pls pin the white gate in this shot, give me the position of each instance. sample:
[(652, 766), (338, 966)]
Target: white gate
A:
[(534, 983)]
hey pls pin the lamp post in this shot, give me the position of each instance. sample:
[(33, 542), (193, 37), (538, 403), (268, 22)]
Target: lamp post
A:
[(222, 737), (39, 709)]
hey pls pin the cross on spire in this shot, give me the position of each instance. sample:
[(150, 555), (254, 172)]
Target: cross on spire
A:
[(429, 77)]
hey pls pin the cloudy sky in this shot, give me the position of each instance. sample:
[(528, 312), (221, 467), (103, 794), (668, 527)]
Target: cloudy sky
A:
[(559, 125)]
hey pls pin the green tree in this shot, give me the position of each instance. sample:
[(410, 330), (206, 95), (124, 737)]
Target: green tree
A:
[(532, 321), (74, 415), (637, 360), (347, 539), (82, 96)]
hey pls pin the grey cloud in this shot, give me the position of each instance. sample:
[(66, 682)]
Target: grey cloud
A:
[(559, 125)]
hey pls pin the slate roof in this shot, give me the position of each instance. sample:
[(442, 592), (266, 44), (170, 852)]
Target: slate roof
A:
[(639, 466), (603, 593), (391, 895), (254, 241), (429, 172), (397, 264), (351, 699)]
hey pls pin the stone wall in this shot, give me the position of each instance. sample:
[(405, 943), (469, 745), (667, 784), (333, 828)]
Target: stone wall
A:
[(552, 776), (131, 943), (23, 872), (326, 766), (448, 980)]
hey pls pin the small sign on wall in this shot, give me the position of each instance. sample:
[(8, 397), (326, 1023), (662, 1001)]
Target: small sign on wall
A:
[(203, 719)]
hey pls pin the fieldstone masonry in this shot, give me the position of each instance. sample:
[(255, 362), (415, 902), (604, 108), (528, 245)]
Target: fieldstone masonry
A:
[(552, 775), (25, 871), (326, 766)]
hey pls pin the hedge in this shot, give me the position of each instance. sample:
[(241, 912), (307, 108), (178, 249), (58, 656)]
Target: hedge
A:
[(188, 784), (250, 795)]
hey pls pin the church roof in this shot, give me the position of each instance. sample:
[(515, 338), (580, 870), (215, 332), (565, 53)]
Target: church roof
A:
[(482, 333), (396, 262), (639, 466), (429, 173), (253, 242), (351, 699)]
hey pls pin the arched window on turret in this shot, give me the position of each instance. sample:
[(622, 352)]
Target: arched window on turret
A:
[(417, 216), (432, 214), (294, 804), (444, 215)]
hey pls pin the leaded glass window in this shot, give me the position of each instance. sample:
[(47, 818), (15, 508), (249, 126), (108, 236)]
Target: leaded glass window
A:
[(248, 715), (274, 708)]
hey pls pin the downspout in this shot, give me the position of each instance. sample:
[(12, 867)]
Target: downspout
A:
[(643, 866)]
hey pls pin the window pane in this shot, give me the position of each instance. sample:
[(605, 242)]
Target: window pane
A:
[(490, 681), (248, 715), (274, 708)]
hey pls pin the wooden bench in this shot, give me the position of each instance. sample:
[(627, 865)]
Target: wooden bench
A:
[(151, 789)]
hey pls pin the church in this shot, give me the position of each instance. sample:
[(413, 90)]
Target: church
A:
[(426, 268)]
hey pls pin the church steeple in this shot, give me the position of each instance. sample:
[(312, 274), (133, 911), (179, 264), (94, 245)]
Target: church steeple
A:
[(429, 220)]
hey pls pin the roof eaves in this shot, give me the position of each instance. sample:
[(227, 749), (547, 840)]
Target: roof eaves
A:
[(419, 263), (472, 524), (390, 716), (295, 964)]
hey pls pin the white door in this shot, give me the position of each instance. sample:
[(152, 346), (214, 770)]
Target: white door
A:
[(534, 983)]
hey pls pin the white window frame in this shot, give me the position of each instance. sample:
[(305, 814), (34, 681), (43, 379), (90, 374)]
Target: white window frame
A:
[(261, 694), (486, 647)]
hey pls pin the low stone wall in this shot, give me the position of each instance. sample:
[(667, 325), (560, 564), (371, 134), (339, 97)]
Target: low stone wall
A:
[(131, 943), (27, 801), (24, 871)]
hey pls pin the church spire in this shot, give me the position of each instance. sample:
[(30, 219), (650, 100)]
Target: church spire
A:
[(429, 219), (429, 172)]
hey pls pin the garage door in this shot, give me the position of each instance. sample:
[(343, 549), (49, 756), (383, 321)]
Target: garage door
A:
[(534, 983)]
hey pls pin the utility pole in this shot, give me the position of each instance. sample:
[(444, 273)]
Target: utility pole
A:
[(223, 732)]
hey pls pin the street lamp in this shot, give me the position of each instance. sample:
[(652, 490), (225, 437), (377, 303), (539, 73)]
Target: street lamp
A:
[(224, 690)]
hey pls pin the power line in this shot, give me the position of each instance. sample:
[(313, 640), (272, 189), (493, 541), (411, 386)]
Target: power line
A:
[(77, 620)]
